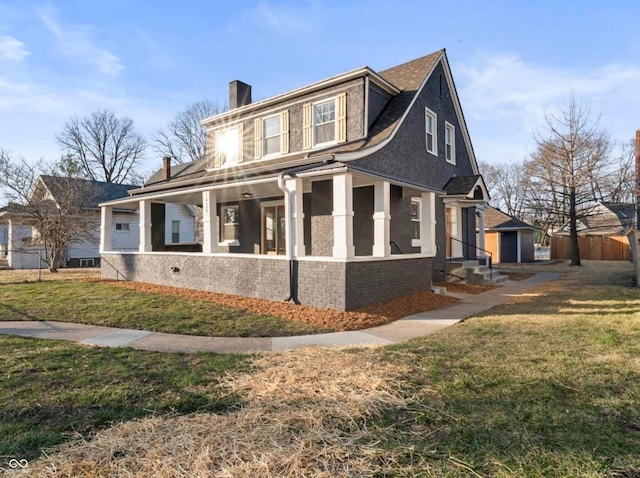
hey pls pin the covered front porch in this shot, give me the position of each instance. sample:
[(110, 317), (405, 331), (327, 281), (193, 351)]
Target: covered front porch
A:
[(337, 239), (340, 216)]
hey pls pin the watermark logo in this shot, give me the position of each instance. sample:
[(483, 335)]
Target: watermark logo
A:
[(18, 464)]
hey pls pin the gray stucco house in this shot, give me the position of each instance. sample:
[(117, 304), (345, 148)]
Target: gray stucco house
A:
[(338, 194)]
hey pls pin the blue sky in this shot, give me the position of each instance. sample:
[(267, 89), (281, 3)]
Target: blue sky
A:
[(511, 61)]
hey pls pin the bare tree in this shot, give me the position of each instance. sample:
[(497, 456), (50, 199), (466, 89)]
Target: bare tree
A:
[(620, 185), (184, 138), (570, 159), (105, 146), (508, 185), (58, 220)]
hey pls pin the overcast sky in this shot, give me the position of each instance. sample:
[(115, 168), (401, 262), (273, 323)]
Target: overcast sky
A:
[(511, 61)]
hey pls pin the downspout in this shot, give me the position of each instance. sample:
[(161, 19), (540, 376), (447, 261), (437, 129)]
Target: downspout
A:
[(289, 220)]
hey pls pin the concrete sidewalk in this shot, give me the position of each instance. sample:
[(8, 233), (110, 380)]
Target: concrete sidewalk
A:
[(407, 328)]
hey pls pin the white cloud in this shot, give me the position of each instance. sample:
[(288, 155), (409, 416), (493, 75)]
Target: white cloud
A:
[(12, 49), (505, 99), (75, 41), (285, 20)]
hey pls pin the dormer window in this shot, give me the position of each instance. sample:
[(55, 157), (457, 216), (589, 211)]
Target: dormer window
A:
[(271, 135), (324, 122), (272, 127), (228, 146)]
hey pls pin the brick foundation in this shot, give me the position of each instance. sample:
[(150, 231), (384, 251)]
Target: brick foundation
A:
[(334, 285)]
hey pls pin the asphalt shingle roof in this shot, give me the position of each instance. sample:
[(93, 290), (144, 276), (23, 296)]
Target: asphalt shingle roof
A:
[(96, 191), (496, 219), (461, 185), (407, 77)]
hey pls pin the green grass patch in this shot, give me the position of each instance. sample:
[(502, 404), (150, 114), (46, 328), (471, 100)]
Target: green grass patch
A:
[(51, 391), (548, 386), (107, 305)]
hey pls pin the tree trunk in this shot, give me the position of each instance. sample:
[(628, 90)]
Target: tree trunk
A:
[(573, 227), (56, 257)]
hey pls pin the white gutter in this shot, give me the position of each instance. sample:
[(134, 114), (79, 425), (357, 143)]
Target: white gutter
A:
[(182, 192)]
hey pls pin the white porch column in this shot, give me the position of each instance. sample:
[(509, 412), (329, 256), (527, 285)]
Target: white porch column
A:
[(209, 222), (428, 224), (481, 233), (106, 220), (294, 213), (381, 219), (145, 226), (343, 247)]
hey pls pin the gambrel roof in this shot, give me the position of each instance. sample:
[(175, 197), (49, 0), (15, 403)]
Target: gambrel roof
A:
[(404, 84)]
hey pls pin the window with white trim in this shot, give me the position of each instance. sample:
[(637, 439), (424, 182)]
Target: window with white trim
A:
[(229, 224), (431, 131), (271, 131), (122, 226), (416, 218), (227, 147), (324, 122), (450, 143), (175, 231)]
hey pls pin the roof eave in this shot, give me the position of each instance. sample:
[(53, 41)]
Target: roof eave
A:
[(327, 82)]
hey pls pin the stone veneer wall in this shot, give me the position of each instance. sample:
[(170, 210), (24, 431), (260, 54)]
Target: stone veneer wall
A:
[(335, 285)]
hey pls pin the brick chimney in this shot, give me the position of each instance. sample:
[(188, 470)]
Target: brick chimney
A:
[(166, 168), (239, 94)]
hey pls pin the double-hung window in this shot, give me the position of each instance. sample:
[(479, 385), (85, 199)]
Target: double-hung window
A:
[(230, 219), (324, 122), (450, 143), (272, 129), (416, 217), (175, 232), (431, 131), (227, 148)]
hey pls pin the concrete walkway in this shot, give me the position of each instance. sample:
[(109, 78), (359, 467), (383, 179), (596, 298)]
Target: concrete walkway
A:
[(412, 326)]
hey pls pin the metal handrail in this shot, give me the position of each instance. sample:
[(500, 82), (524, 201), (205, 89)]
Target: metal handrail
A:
[(490, 258), (393, 244), (118, 273)]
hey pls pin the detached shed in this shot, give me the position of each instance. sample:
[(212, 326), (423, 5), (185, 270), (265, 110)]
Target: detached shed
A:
[(508, 239)]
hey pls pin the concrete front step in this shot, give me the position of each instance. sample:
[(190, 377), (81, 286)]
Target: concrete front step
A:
[(438, 289), (473, 273)]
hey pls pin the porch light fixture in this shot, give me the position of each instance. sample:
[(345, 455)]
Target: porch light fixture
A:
[(247, 195)]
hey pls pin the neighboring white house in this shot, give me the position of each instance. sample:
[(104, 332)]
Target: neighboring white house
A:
[(20, 247)]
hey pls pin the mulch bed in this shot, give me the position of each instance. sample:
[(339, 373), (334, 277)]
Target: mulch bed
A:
[(370, 316)]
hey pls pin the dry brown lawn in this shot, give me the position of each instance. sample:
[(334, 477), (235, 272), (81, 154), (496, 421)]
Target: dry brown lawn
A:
[(304, 416), (32, 275)]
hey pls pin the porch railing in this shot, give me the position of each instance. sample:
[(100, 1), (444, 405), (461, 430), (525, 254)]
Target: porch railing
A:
[(489, 257)]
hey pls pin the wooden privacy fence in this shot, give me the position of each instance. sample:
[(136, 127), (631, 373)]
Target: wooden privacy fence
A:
[(597, 248)]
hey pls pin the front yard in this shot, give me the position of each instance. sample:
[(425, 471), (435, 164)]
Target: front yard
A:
[(135, 305), (547, 385)]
